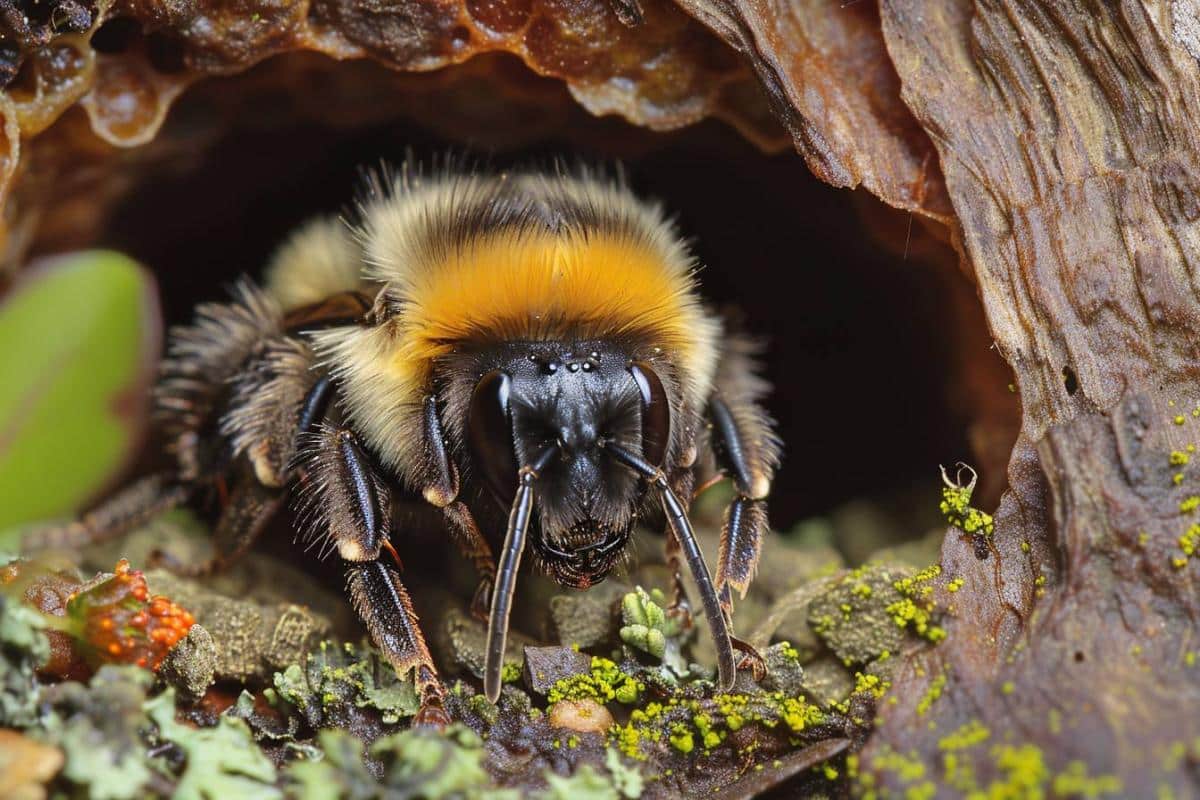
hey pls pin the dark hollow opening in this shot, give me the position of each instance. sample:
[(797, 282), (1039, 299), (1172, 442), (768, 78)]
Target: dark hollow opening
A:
[(854, 350)]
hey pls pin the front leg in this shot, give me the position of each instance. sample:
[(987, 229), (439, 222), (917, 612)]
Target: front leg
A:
[(441, 490), (348, 505), (384, 605), (746, 450)]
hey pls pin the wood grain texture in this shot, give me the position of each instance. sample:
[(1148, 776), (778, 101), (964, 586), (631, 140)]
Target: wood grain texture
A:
[(1068, 137), (825, 69)]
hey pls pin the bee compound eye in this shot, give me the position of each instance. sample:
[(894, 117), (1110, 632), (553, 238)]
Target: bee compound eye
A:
[(490, 435), (656, 413)]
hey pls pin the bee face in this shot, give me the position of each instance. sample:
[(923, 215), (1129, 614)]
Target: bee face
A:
[(570, 399)]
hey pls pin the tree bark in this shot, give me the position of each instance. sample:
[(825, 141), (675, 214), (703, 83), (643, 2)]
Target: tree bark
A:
[(1068, 135)]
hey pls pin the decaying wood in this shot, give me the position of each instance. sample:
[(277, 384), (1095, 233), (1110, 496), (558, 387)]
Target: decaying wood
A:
[(1059, 145), (825, 69), (1069, 138)]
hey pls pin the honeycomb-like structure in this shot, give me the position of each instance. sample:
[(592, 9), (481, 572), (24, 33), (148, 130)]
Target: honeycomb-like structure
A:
[(125, 64)]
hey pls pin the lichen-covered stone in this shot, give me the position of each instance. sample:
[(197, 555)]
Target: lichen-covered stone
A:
[(826, 681), (295, 632), (191, 665), (851, 616), (251, 640), (590, 618), (784, 673), (462, 640), (546, 666)]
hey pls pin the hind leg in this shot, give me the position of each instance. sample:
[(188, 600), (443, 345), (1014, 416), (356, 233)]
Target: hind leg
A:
[(249, 508)]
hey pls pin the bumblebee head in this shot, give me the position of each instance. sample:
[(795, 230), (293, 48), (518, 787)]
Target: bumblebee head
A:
[(563, 403)]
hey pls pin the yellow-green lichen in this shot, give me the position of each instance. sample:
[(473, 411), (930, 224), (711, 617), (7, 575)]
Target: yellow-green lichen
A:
[(1024, 774), (691, 725), (915, 610), (967, 736), (605, 682), (1074, 781), (510, 672), (956, 507), (931, 694), (789, 652)]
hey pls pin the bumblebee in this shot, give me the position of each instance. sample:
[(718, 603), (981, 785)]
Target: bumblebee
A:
[(528, 343)]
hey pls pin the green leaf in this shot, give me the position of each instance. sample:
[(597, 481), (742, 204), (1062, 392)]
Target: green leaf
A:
[(79, 337)]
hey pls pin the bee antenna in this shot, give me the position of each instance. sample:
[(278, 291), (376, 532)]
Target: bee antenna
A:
[(506, 572), (681, 527)]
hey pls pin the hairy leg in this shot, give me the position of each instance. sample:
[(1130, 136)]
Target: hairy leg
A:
[(347, 504), (474, 547), (251, 506), (746, 450)]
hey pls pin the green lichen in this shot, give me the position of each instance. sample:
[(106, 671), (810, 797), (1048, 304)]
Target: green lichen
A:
[(604, 683), (626, 779), (1023, 773), (23, 647), (956, 506), (443, 766), (965, 737), (681, 738), (222, 761), (101, 728), (510, 672), (586, 783), (338, 675), (1074, 781), (915, 608), (932, 693), (691, 725)]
